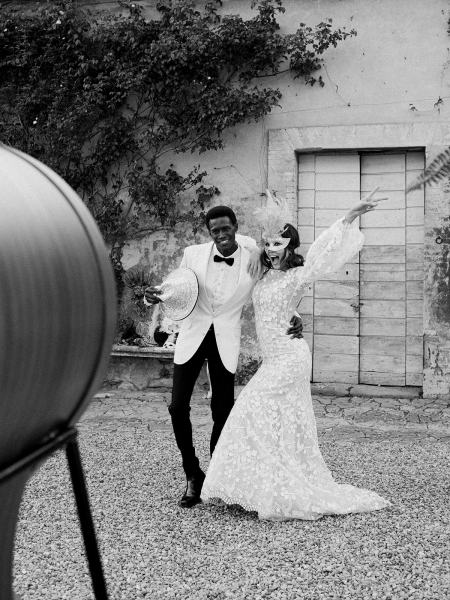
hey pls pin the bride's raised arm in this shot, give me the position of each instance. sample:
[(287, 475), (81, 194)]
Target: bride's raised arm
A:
[(338, 244)]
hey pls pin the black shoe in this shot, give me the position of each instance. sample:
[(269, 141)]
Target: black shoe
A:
[(191, 496)]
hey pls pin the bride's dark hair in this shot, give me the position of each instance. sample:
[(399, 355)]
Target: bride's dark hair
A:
[(290, 259)]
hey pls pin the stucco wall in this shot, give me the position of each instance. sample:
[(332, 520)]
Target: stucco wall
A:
[(396, 71)]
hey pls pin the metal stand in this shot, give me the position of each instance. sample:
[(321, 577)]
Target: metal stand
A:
[(69, 440), (85, 516)]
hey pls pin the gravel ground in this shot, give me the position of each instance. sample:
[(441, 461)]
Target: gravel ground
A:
[(153, 549)]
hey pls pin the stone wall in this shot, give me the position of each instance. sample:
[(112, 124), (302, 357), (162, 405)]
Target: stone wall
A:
[(437, 284)]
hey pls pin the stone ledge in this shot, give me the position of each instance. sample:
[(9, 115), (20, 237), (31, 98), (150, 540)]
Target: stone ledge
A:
[(142, 352), (142, 368)]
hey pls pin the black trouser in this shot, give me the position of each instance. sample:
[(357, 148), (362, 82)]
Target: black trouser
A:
[(184, 378)]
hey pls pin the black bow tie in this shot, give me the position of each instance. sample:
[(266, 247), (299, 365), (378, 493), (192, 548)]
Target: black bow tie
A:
[(218, 258)]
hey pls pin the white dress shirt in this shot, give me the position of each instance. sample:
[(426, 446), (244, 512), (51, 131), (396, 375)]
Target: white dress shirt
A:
[(222, 279)]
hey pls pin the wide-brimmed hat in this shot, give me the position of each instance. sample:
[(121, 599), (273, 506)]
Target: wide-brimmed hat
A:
[(179, 293)]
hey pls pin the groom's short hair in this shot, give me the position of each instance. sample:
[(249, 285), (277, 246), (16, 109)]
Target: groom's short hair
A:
[(220, 211)]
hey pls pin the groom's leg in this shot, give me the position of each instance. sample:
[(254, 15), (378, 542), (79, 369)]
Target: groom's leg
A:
[(222, 386), (184, 378)]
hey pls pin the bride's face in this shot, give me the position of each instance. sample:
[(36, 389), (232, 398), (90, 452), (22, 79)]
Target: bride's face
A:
[(275, 249)]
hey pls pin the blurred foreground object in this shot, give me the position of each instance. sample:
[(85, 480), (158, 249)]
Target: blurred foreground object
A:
[(57, 321), (437, 170)]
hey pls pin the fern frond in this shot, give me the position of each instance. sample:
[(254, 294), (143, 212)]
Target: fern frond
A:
[(437, 170)]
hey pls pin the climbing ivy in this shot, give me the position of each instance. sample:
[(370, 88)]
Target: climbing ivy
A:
[(104, 98)]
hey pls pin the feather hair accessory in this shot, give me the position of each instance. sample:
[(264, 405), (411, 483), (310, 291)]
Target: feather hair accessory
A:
[(274, 216)]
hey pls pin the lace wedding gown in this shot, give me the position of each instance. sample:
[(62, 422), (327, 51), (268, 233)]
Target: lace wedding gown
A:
[(267, 458)]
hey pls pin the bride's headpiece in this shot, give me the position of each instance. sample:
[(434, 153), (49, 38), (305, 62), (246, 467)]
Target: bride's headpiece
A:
[(273, 217)]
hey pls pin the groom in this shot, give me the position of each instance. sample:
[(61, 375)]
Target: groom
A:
[(226, 268)]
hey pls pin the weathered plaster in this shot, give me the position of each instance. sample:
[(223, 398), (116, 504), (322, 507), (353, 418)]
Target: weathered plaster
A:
[(440, 276)]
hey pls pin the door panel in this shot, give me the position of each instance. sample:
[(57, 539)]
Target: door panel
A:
[(376, 255), (365, 322), (380, 344), (415, 163), (337, 289), (382, 326), (383, 299), (336, 189), (336, 326), (333, 199), (332, 307), (385, 181), (383, 363), (336, 343), (390, 290), (337, 181), (385, 218), (383, 272), (393, 309), (383, 236)]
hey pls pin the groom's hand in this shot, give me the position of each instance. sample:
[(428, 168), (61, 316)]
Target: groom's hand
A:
[(255, 266), (151, 295), (296, 328)]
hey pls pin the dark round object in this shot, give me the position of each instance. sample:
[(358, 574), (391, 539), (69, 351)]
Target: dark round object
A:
[(57, 313), (57, 304)]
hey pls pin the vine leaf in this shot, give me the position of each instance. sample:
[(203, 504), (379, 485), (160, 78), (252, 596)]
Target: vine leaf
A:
[(437, 170)]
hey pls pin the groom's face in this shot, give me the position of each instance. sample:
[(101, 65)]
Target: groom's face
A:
[(223, 233)]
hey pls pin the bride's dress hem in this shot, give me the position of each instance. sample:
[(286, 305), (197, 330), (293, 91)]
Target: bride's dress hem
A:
[(214, 496)]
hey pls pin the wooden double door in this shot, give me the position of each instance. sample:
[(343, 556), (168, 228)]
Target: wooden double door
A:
[(364, 323)]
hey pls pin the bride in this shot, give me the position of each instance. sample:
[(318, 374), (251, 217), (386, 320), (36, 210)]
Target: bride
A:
[(267, 458)]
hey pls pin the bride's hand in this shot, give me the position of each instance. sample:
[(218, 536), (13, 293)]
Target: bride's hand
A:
[(367, 204)]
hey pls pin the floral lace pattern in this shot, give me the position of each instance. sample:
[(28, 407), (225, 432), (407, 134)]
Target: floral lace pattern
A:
[(268, 458)]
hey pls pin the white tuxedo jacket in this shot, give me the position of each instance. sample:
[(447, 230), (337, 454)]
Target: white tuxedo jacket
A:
[(226, 319)]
